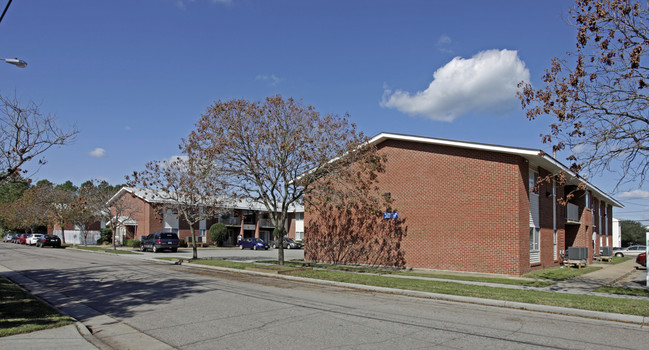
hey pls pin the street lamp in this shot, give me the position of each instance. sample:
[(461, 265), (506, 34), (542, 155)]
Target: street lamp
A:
[(16, 62)]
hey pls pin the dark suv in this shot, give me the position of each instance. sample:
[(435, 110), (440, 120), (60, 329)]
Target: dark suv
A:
[(158, 241)]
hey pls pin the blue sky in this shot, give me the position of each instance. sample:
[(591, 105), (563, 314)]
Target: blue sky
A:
[(134, 76)]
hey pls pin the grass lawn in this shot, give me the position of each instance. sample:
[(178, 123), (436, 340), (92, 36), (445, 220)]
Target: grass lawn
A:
[(638, 292), (214, 262), (383, 271), (559, 273), (585, 302), (22, 313), (106, 250)]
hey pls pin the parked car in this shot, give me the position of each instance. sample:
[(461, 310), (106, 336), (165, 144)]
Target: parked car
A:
[(633, 250), (9, 237), (289, 243), (641, 259), (253, 243), (32, 239), (158, 241), (48, 241), (21, 238)]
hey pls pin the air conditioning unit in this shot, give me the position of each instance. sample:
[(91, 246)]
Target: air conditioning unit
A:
[(577, 253), (606, 251)]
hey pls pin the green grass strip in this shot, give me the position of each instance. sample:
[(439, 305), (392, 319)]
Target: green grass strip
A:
[(383, 271), (623, 291), (105, 250), (584, 302), (22, 313), (559, 273)]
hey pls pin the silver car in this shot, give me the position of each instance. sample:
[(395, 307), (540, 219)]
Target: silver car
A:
[(633, 250)]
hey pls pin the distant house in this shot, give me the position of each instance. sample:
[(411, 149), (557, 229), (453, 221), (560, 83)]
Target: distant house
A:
[(149, 213), (471, 207)]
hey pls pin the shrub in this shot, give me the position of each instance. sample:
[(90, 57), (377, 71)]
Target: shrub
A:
[(106, 236), (135, 243), (181, 243), (218, 233)]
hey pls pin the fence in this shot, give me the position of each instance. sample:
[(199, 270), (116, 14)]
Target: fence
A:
[(76, 236)]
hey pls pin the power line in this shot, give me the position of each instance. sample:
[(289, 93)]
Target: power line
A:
[(5, 11)]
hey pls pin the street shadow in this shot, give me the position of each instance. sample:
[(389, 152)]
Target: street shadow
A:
[(116, 290)]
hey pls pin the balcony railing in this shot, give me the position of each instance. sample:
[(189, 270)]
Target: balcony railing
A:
[(230, 221), (572, 212), (265, 223)]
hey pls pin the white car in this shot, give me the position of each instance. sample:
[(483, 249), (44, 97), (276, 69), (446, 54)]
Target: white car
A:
[(31, 239), (633, 250)]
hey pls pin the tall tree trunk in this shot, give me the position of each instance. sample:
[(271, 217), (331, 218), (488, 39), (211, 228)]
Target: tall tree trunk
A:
[(194, 248), (280, 252)]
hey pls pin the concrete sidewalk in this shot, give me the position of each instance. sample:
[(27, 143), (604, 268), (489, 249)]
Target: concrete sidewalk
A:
[(79, 337), (617, 275)]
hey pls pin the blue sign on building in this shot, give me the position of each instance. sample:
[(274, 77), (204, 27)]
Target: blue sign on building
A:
[(394, 215)]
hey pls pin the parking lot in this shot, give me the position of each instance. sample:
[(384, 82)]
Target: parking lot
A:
[(229, 253)]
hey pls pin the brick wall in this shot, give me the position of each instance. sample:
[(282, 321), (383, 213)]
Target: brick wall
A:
[(468, 210)]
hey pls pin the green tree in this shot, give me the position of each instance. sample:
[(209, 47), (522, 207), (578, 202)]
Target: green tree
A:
[(633, 232), (218, 233), (595, 100)]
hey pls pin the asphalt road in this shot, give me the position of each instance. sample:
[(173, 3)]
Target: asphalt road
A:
[(190, 308)]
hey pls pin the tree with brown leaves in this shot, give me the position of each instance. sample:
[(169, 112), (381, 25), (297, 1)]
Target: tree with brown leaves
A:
[(597, 99), (261, 150)]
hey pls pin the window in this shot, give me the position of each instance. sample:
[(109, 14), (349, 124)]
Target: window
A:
[(202, 232), (534, 239), (534, 175)]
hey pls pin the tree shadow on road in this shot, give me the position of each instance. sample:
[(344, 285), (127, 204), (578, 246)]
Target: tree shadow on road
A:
[(116, 290)]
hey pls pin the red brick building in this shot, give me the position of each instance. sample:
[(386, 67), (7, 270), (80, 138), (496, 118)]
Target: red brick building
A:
[(469, 206), (143, 212)]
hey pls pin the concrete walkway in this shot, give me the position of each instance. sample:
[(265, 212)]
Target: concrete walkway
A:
[(78, 337)]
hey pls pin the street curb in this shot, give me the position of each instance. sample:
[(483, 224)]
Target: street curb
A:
[(599, 315)]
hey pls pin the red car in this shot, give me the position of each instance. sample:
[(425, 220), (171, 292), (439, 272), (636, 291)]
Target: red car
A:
[(642, 259), (21, 238)]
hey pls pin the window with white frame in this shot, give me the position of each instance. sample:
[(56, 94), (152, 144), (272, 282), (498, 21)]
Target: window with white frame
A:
[(535, 239), (535, 218)]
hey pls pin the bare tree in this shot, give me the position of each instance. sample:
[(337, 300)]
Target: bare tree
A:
[(97, 200), (189, 186), (261, 148), (596, 100), (26, 133)]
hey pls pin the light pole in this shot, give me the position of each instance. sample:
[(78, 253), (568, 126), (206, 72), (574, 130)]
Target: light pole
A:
[(16, 62)]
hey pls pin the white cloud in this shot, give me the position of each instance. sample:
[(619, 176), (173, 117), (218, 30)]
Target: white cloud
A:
[(127, 128), (272, 79), (182, 4), (98, 153), (174, 159), (443, 42), (635, 194), (486, 82)]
